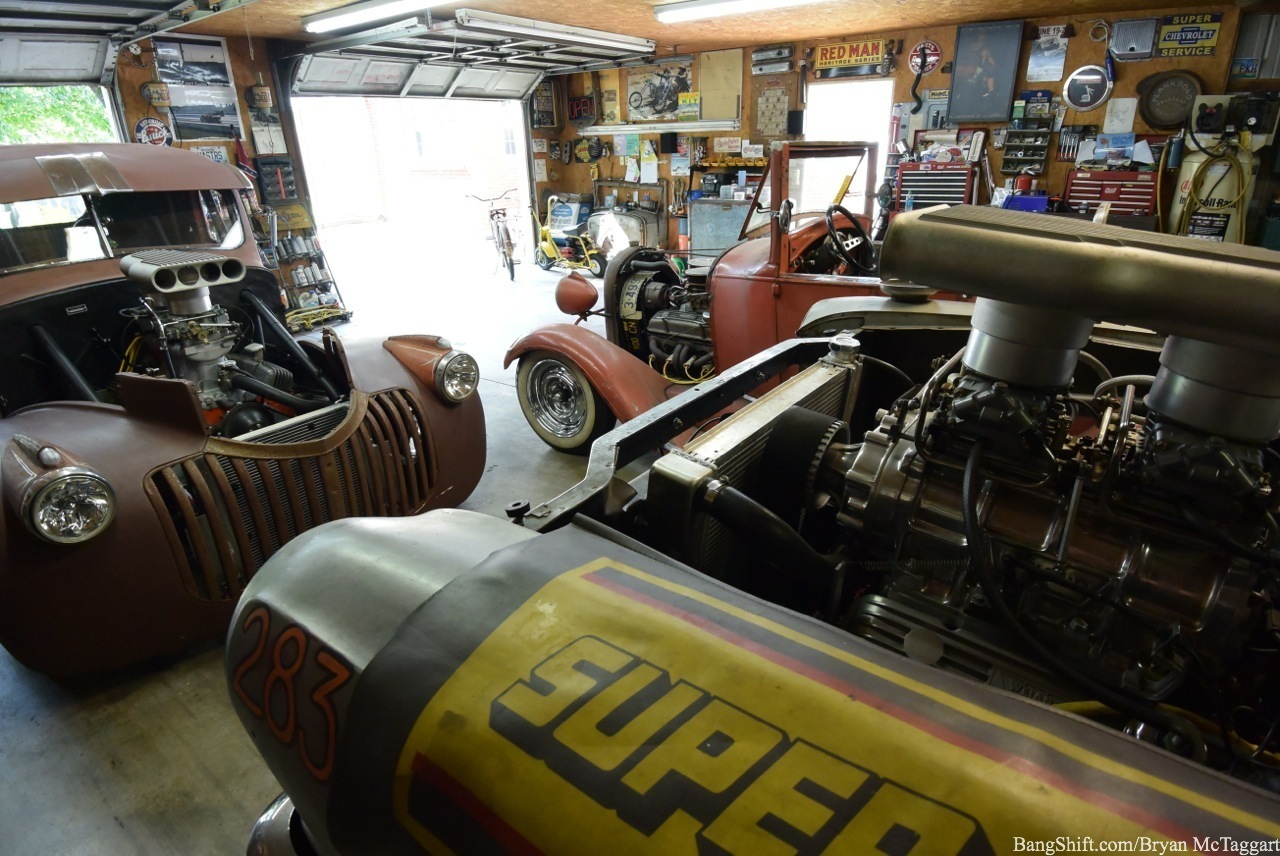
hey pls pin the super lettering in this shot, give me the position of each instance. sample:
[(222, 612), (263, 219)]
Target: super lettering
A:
[(703, 775)]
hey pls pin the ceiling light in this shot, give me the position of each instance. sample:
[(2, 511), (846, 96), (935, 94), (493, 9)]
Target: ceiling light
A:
[(506, 25), (364, 13), (695, 10)]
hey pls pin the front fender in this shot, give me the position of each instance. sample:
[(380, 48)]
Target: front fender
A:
[(626, 384)]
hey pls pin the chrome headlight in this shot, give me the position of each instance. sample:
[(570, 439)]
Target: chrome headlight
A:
[(457, 376), (68, 505)]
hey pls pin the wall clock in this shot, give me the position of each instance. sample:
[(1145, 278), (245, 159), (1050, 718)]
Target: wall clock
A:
[(1087, 88), (1165, 99)]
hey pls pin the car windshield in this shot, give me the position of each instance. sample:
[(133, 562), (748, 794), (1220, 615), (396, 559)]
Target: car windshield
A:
[(815, 182), (66, 229)]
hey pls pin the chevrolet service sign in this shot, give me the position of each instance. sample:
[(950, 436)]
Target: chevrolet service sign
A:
[(1194, 34)]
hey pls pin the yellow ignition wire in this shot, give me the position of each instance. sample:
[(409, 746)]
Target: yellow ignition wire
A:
[(669, 378), (130, 357)]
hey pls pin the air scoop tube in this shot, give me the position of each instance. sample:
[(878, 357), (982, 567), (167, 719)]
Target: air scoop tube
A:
[(767, 532), (289, 343), (266, 390)]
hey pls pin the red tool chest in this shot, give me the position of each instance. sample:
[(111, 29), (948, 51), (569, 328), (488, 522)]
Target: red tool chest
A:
[(1128, 192)]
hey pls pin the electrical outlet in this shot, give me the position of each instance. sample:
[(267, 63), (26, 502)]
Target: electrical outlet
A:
[(135, 49)]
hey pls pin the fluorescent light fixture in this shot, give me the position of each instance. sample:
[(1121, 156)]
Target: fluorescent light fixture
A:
[(700, 126), (367, 12), (506, 25), (696, 10)]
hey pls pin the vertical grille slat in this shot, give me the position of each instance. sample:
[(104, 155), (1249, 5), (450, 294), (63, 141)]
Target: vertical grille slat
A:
[(197, 548), (360, 475), (249, 492), (415, 428), (288, 476), (231, 499), (396, 424), (335, 499), (367, 454), (384, 457), (229, 513), (219, 531), (279, 521)]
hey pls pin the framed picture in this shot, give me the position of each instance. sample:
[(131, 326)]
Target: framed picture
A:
[(986, 69)]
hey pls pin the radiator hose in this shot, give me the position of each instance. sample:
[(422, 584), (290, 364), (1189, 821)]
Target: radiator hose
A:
[(266, 390), (768, 533)]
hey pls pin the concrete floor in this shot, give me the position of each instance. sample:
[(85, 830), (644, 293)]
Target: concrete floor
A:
[(153, 760)]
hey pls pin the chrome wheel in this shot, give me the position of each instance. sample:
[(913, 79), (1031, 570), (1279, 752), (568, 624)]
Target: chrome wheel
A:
[(559, 402)]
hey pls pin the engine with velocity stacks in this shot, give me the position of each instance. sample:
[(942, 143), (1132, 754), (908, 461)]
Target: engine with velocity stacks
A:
[(1077, 530), (179, 332)]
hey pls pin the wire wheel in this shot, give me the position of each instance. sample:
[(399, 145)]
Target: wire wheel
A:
[(559, 402)]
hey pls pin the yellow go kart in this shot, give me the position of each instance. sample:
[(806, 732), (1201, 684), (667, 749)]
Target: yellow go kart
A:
[(570, 248)]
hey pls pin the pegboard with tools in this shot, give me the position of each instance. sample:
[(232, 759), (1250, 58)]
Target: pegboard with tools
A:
[(1070, 137)]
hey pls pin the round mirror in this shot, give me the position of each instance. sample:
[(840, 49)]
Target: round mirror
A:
[(784, 214)]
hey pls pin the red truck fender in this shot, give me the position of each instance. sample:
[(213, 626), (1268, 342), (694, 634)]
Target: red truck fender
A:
[(626, 384)]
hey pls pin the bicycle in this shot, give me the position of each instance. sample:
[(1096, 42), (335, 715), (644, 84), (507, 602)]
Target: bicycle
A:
[(500, 233)]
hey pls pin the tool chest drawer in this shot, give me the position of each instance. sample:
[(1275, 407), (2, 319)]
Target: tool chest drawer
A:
[(1128, 192), (936, 184)]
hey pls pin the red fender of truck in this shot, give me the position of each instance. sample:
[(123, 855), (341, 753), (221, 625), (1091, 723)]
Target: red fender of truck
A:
[(626, 384)]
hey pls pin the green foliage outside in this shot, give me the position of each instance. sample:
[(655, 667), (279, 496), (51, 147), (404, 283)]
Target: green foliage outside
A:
[(53, 114)]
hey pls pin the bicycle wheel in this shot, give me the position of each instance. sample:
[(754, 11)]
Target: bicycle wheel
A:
[(506, 251)]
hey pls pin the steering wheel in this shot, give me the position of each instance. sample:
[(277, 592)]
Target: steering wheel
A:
[(842, 249)]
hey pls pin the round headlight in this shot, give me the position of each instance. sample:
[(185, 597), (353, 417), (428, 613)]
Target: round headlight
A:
[(70, 505), (457, 376)]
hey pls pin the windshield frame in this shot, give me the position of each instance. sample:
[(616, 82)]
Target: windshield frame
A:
[(767, 199), (220, 213)]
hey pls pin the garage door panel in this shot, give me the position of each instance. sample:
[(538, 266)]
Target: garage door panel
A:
[(45, 59), (443, 81)]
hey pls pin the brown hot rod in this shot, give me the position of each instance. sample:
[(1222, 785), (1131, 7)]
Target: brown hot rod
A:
[(163, 434)]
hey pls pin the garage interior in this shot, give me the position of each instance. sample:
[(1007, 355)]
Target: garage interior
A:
[(648, 132)]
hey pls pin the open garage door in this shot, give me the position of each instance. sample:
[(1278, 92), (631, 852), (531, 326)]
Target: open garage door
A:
[(470, 55), (77, 42)]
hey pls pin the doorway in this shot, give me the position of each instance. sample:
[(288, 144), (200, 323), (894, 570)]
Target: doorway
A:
[(391, 181), (852, 110)]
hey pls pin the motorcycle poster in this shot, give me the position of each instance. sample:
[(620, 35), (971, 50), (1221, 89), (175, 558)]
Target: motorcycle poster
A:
[(654, 92)]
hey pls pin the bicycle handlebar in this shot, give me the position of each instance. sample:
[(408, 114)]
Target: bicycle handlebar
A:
[(501, 195)]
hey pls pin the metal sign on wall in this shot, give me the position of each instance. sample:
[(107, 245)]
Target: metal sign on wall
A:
[(1194, 34), (862, 52)]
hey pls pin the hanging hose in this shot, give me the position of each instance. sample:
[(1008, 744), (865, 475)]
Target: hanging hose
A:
[(271, 322), (1196, 199), (915, 84)]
